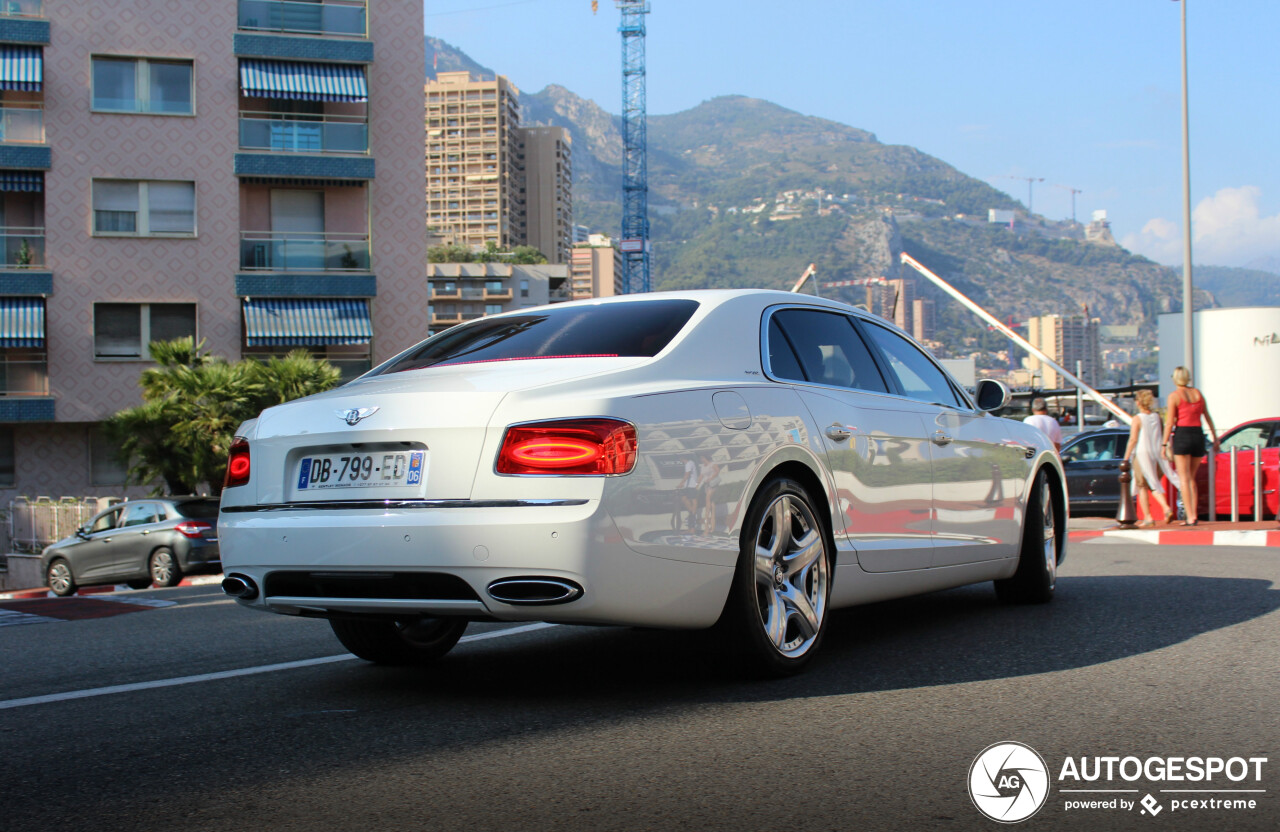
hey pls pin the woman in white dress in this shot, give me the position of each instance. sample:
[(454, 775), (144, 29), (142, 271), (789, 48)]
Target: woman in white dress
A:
[(1144, 448)]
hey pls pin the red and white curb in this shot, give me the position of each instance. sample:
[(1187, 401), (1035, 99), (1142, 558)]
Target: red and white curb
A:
[(43, 592), (1180, 537)]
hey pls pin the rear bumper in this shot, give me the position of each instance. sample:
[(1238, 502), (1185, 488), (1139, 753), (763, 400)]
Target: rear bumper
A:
[(477, 543)]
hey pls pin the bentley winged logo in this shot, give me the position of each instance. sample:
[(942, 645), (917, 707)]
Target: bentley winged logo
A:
[(354, 415)]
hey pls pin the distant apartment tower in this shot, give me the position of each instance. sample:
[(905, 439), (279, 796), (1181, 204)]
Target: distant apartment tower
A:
[(473, 160), (923, 321), (892, 300), (1065, 339), (595, 268), (489, 180), (224, 170), (462, 292)]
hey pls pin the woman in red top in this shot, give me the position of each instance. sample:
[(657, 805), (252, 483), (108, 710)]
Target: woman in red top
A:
[(1186, 409)]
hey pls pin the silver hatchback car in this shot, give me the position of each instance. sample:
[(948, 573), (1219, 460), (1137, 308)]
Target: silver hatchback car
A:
[(139, 543)]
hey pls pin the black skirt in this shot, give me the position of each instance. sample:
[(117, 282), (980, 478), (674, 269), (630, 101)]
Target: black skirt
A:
[(1188, 441)]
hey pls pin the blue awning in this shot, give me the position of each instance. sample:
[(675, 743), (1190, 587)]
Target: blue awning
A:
[(310, 82), (21, 322), (306, 323), (21, 68), (21, 180)]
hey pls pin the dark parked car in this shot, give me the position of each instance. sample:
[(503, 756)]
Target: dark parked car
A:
[(138, 543), (1092, 462)]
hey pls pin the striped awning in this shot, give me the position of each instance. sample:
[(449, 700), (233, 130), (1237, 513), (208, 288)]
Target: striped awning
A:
[(21, 322), (276, 322), (310, 82), (21, 180), (21, 68)]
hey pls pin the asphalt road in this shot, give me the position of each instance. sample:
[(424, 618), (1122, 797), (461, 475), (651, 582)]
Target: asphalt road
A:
[(1146, 651)]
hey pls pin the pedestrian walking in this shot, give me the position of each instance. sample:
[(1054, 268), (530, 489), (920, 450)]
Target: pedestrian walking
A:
[(1041, 419), (1144, 449), (1184, 438)]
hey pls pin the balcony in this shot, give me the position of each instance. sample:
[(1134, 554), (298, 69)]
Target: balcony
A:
[(313, 134), (288, 252), (23, 373), (23, 248), (21, 8), (294, 18), (445, 292)]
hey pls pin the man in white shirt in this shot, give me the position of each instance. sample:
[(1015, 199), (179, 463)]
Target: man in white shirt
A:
[(1046, 424)]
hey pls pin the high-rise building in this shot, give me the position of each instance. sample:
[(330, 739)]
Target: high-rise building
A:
[(923, 321), (465, 291), (474, 170), (1066, 340), (595, 268), (548, 185), (233, 172), (489, 180), (892, 300)]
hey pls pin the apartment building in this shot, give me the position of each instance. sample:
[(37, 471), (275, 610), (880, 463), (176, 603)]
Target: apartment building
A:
[(893, 300), (242, 171), (1066, 339), (595, 268), (466, 291), (490, 180)]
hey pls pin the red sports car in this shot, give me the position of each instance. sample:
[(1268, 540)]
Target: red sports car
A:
[(1259, 433)]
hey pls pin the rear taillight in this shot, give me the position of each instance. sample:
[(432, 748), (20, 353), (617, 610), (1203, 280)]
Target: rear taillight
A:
[(193, 528), (569, 447), (238, 464)]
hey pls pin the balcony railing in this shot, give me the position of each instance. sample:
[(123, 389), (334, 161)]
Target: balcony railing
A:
[(28, 376), (23, 248), (21, 123), (21, 8), (324, 134), (303, 18), (287, 252)]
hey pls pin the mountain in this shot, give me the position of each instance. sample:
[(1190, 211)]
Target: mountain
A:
[(1265, 264), (1239, 287), (744, 192), (442, 57)]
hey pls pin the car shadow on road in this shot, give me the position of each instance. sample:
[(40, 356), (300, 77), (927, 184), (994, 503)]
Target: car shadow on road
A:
[(961, 635)]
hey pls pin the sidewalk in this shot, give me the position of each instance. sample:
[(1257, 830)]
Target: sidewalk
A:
[(43, 592), (1204, 533)]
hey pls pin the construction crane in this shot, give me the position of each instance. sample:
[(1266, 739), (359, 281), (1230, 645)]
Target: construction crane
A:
[(635, 169), (1074, 191), (1030, 180)]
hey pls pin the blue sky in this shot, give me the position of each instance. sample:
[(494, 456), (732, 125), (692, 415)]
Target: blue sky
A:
[(1086, 94)]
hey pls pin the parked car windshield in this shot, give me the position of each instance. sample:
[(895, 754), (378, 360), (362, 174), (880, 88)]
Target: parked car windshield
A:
[(635, 329)]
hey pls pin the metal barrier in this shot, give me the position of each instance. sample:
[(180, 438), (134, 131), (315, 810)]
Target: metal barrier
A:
[(35, 523)]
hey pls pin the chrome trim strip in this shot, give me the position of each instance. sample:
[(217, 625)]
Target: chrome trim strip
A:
[(346, 505), (289, 603)]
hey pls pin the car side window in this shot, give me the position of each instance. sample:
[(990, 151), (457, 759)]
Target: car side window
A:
[(139, 514), (105, 522), (918, 377), (827, 349), (1251, 437), (782, 358)]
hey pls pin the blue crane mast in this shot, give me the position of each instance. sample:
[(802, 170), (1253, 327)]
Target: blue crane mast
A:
[(635, 168)]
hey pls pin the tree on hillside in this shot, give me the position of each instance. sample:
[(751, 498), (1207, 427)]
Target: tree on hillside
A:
[(193, 401)]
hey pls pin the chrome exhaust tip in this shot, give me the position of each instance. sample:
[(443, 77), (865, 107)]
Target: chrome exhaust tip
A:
[(530, 592), (238, 586)]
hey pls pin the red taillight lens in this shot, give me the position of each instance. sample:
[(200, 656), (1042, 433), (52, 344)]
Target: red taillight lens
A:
[(238, 464), (572, 446), (192, 528)]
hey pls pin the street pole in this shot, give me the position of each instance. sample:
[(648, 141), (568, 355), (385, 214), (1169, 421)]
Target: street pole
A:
[(1188, 297)]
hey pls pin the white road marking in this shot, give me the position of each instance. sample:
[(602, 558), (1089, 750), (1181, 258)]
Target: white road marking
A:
[(231, 674)]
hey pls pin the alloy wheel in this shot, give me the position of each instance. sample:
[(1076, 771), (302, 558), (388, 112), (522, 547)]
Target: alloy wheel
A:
[(791, 574)]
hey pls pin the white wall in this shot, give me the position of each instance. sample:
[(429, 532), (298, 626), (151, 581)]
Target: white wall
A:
[(1237, 361)]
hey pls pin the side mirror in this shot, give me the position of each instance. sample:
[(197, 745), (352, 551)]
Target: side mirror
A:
[(991, 395), (82, 533)]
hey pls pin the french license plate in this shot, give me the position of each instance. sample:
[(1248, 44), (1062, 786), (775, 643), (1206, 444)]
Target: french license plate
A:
[(376, 470)]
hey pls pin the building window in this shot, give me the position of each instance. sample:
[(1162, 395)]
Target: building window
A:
[(122, 330), (524, 288), (7, 468), (105, 467), (140, 85), (143, 209), (492, 308)]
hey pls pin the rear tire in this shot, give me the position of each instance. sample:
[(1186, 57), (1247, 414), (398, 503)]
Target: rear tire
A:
[(164, 567), (776, 614), (1037, 573), (414, 641), (60, 579)]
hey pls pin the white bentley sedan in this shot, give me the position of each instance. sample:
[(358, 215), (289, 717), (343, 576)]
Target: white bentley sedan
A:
[(749, 460)]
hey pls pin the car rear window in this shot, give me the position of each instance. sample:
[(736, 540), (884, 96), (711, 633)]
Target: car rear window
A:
[(634, 329), (198, 509)]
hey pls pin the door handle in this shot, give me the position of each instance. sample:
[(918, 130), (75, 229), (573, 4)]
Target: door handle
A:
[(941, 438), (838, 433), (106, 540), (146, 531)]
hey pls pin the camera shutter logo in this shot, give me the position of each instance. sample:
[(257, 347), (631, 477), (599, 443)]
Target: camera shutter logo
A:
[(1008, 782)]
